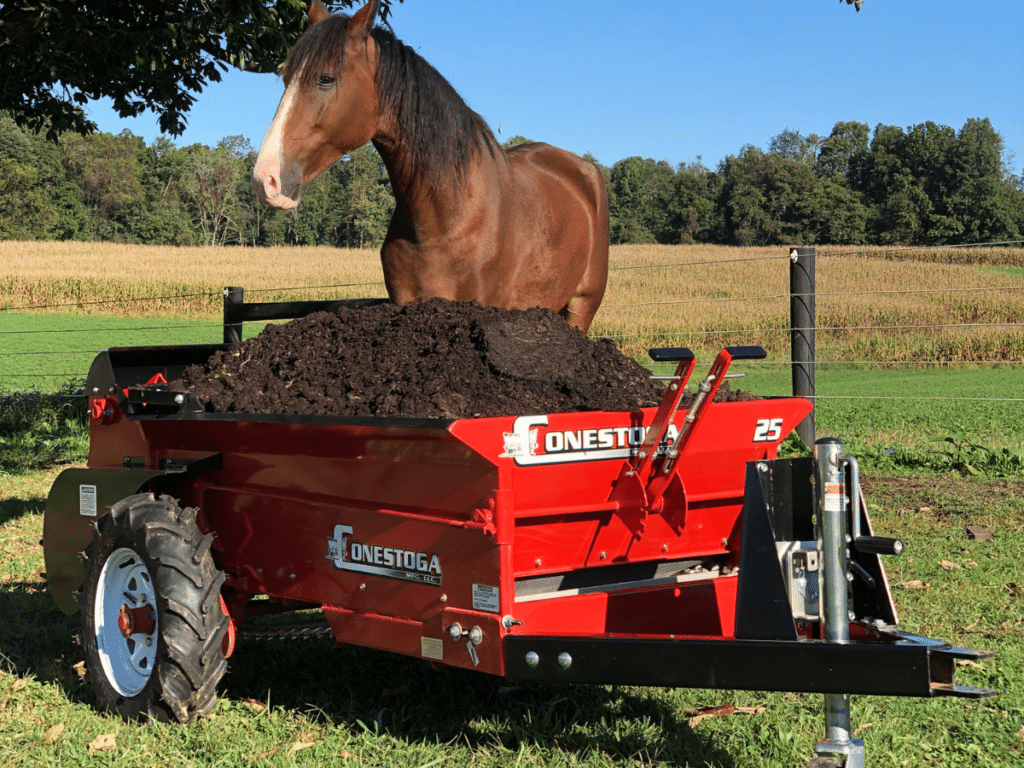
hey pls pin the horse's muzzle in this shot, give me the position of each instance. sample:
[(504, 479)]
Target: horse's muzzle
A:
[(278, 186)]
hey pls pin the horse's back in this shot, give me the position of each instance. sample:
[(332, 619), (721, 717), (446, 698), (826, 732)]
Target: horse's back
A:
[(561, 164), (569, 192)]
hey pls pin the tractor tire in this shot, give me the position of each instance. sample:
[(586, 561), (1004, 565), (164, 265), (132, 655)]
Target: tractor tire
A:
[(152, 622)]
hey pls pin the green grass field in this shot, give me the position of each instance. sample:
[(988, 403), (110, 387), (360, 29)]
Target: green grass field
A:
[(304, 703), (40, 353), (931, 418)]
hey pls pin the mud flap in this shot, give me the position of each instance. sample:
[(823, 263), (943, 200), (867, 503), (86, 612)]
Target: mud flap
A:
[(78, 498)]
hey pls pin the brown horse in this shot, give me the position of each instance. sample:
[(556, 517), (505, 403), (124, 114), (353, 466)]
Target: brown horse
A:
[(517, 229)]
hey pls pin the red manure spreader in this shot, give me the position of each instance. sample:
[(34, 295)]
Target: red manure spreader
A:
[(667, 546)]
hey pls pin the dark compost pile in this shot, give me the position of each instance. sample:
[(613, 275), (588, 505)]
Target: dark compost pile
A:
[(434, 359)]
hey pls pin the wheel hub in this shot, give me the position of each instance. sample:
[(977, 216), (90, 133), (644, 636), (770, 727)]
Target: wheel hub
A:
[(126, 621), (141, 620)]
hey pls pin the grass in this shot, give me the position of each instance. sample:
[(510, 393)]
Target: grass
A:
[(306, 703), (42, 429), (45, 352)]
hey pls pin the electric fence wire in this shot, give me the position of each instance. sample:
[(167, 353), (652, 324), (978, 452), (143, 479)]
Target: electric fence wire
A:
[(623, 337)]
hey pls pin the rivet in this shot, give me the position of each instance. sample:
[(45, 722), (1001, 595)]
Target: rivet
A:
[(564, 660), (537, 563), (664, 547), (532, 659)]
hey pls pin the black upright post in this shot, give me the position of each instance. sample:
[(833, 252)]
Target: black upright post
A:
[(233, 296), (801, 315)]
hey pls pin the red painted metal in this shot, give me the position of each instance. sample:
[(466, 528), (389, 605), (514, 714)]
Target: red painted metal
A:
[(438, 538), (141, 619)]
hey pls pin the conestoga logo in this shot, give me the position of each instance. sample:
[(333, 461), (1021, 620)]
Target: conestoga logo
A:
[(529, 445), (390, 562)]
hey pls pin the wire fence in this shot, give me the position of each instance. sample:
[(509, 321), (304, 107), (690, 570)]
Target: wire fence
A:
[(61, 342)]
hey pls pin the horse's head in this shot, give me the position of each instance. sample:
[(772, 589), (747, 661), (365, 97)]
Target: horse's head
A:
[(329, 108)]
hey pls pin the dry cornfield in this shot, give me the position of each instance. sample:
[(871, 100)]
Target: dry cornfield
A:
[(873, 304)]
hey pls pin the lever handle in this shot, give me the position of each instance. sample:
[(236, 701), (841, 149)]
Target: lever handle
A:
[(670, 354), (878, 545)]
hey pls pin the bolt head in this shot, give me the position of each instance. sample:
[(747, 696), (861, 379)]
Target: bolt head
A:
[(455, 631)]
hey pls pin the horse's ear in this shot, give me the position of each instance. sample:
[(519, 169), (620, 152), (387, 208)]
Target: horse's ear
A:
[(317, 12), (362, 22)]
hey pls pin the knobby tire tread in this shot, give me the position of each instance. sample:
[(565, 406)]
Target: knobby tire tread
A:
[(189, 662)]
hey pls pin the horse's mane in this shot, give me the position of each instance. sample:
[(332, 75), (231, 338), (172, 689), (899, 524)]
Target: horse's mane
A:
[(442, 130)]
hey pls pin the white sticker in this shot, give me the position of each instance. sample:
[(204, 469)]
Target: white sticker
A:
[(485, 598), (87, 500), (432, 648)]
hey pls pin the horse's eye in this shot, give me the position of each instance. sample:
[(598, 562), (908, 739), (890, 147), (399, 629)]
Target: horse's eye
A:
[(326, 81)]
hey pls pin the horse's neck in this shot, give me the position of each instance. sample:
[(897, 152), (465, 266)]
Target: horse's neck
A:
[(430, 202)]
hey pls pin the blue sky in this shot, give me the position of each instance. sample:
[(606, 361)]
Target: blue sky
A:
[(679, 80)]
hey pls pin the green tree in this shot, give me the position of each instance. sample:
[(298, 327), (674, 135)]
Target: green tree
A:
[(370, 203), (769, 199), (515, 141), (106, 170), (24, 212), (795, 146), (211, 184), (57, 55), (164, 218), (843, 152), (640, 191), (983, 196), (931, 185), (692, 206)]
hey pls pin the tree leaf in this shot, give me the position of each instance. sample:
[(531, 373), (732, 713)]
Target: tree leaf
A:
[(103, 743)]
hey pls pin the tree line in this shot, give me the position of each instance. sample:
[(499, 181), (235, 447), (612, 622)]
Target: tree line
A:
[(924, 185)]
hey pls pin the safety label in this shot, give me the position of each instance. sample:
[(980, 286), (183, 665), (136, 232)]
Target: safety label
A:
[(432, 648), (485, 598), (87, 500)]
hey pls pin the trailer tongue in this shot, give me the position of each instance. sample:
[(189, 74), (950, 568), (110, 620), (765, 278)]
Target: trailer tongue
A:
[(667, 546)]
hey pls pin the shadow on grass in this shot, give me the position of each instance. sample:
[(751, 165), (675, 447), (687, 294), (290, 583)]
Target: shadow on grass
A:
[(387, 694), (14, 509), (412, 701), (36, 639)]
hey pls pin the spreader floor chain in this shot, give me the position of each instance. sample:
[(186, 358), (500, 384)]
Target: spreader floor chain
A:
[(665, 546)]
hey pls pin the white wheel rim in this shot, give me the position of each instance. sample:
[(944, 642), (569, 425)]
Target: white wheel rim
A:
[(127, 660)]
